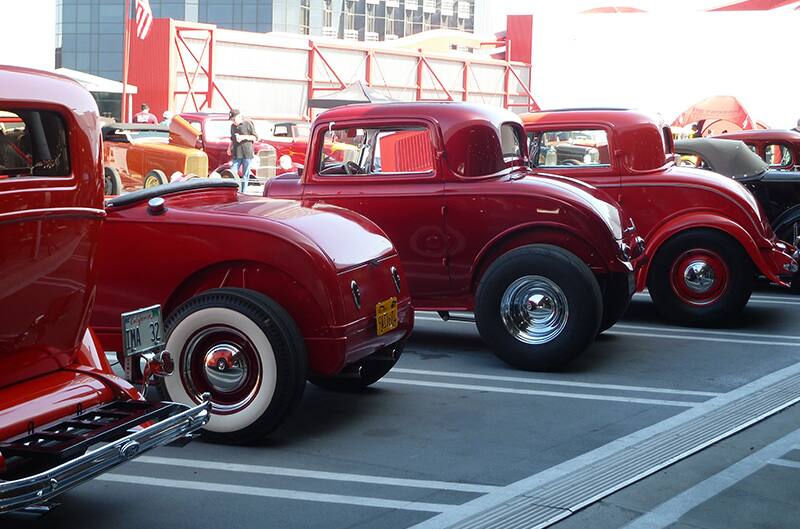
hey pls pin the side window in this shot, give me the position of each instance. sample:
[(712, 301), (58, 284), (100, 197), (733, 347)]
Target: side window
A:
[(511, 142), (778, 155), (33, 143), (567, 148), (390, 150)]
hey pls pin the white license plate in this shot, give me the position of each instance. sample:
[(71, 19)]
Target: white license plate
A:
[(142, 331)]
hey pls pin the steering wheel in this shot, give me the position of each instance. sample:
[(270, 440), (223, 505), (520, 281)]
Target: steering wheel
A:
[(352, 168)]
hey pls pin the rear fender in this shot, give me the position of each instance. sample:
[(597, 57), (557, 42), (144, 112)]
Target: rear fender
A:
[(681, 224), (314, 316)]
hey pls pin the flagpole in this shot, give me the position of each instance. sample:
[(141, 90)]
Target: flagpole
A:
[(125, 60)]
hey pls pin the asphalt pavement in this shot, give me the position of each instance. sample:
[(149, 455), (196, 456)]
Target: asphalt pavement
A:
[(655, 426)]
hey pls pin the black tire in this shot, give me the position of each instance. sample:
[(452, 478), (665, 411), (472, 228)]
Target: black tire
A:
[(154, 178), (112, 183), (578, 287), (365, 373), (272, 342), (616, 299), (727, 297)]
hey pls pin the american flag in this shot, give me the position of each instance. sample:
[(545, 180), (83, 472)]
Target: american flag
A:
[(144, 18)]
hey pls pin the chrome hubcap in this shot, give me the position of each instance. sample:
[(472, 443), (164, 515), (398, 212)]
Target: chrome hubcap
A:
[(226, 369), (534, 309), (699, 277)]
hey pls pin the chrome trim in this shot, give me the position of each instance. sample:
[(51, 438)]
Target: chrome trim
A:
[(43, 487), (534, 310), (395, 278), (356, 293)]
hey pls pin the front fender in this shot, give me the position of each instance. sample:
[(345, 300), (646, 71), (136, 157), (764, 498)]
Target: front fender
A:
[(758, 248)]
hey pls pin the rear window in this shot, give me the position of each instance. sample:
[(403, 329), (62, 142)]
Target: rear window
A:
[(778, 155), (33, 143), (478, 151)]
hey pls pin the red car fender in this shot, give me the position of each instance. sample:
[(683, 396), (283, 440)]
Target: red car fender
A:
[(539, 233), (91, 360), (704, 220)]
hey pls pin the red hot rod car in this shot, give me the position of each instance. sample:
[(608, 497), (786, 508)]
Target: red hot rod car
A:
[(288, 290), (706, 235), (544, 263), (64, 416), (779, 148)]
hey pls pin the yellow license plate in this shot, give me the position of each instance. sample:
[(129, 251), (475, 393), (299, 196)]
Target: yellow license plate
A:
[(386, 316)]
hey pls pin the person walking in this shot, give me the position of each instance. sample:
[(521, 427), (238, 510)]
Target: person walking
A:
[(243, 137), (145, 116)]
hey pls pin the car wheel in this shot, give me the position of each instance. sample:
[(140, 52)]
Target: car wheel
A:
[(154, 178), (222, 365), (616, 299), (363, 374), (538, 307), (252, 399), (701, 277), (112, 184)]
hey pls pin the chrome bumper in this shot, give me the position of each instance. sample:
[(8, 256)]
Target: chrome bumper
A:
[(43, 487)]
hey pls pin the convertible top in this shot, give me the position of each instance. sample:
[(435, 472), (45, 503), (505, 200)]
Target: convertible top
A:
[(728, 157)]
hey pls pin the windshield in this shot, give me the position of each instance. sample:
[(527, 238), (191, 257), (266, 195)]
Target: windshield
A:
[(218, 129)]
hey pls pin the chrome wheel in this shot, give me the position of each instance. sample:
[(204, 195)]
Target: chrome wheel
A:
[(698, 276), (534, 310)]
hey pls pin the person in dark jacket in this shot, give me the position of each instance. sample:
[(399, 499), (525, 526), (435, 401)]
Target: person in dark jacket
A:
[(243, 138)]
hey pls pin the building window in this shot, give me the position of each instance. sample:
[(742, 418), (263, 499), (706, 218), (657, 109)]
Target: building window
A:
[(349, 15), (327, 14), (426, 21), (370, 18), (305, 16)]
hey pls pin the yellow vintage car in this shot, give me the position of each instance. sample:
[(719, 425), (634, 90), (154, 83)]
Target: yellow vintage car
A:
[(137, 156)]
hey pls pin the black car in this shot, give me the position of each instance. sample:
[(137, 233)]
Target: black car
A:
[(778, 192)]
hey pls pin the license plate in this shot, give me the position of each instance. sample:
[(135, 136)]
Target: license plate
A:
[(386, 316), (142, 331)]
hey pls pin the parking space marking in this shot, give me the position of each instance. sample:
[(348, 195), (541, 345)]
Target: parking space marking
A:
[(525, 485), (535, 392), (672, 510), (758, 298), (690, 337), (785, 463), (551, 382), (315, 474), (264, 492), (708, 331), (613, 331)]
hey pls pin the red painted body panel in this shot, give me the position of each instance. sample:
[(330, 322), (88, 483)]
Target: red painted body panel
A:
[(49, 230), (759, 139), (302, 257), (662, 198), (448, 227)]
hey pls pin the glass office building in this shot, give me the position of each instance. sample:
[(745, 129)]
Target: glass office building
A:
[(89, 32)]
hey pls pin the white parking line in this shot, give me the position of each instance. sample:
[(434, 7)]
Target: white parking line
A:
[(515, 391), (701, 338), (708, 331), (549, 382), (315, 474), (612, 331), (218, 488), (785, 463), (671, 511)]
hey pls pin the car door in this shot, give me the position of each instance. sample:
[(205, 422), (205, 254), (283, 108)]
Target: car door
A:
[(387, 172), (50, 217)]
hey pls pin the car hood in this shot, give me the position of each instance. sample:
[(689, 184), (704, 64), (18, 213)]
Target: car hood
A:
[(347, 238), (595, 199)]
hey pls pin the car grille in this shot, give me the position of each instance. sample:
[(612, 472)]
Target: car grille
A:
[(267, 163), (197, 164)]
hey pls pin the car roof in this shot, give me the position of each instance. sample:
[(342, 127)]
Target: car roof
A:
[(446, 113), (763, 135), (728, 157), (38, 86), (618, 116)]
